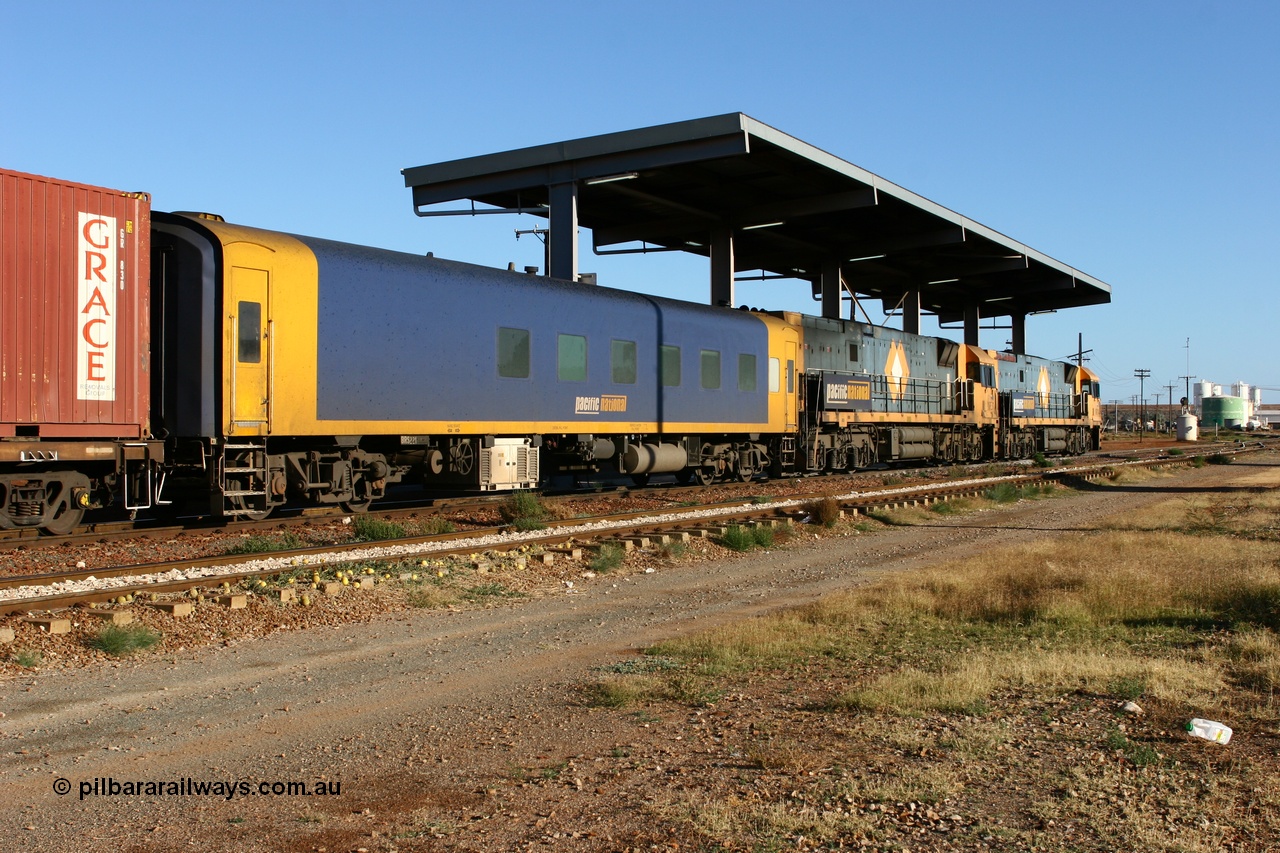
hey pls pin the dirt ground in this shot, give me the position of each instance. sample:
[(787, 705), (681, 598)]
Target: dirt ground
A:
[(469, 730)]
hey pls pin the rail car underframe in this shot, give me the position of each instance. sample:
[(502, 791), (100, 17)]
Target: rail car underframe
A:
[(50, 484), (248, 477), (492, 463)]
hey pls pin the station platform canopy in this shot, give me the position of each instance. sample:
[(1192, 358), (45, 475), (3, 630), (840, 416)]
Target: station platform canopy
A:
[(754, 199)]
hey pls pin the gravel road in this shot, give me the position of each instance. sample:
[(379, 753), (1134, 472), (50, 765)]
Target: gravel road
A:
[(414, 707)]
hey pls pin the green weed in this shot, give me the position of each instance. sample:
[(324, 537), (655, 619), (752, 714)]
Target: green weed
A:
[(524, 511), (262, 544), (437, 526), (122, 640), (739, 538), (369, 528), (607, 558)]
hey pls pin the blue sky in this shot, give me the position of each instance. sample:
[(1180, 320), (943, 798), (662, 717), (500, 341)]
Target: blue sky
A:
[(1136, 141)]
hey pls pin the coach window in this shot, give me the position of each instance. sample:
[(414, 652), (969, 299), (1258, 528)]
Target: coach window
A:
[(791, 376), (250, 332), (571, 363), (775, 369), (670, 365), (622, 361), (746, 372), (513, 353), (710, 369)]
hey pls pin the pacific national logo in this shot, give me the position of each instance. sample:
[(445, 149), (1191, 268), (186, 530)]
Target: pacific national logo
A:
[(603, 404), (1043, 387), (896, 370)]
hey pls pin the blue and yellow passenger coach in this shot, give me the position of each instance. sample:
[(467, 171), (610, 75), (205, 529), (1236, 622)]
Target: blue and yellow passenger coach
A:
[(302, 367)]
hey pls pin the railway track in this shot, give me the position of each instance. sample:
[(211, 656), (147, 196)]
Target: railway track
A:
[(162, 582), (123, 530)]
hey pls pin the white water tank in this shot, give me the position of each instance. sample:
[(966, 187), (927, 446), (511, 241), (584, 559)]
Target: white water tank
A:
[(1240, 389), (1187, 427), (1203, 389)]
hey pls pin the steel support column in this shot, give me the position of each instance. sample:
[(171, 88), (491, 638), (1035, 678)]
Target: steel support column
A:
[(562, 241), (911, 312), (971, 317), (831, 290), (722, 267), (1018, 323)]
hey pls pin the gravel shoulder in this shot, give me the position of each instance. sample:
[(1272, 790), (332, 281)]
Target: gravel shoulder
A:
[(445, 730)]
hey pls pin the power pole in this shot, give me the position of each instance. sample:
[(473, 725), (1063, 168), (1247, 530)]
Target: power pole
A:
[(1169, 418), (1188, 378), (1081, 352), (1142, 373)]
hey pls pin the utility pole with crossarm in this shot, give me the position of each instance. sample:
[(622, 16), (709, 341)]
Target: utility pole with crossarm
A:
[(1142, 373)]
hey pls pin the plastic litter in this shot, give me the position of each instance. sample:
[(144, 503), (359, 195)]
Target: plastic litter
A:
[(1209, 730)]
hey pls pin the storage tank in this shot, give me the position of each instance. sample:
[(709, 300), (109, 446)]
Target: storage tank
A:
[(1187, 430), (1203, 389), (1226, 412), (1240, 389)]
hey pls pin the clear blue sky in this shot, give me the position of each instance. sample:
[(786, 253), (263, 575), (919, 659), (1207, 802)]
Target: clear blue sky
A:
[(1136, 141)]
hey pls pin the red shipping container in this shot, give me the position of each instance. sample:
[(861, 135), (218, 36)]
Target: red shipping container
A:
[(74, 309)]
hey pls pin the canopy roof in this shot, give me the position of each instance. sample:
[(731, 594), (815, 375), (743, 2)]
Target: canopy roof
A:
[(791, 210)]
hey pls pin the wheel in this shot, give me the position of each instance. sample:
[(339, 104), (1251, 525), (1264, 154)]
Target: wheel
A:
[(462, 458), (703, 476), (640, 480), (64, 515), (360, 499)]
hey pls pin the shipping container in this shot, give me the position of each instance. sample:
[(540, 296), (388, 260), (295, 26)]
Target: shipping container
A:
[(74, 310)]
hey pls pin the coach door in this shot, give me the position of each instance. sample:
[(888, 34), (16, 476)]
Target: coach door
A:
[(250, 351), (789, 380)]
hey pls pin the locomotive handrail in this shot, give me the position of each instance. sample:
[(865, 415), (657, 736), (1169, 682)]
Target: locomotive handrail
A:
[(1059, 406), (919, 396)]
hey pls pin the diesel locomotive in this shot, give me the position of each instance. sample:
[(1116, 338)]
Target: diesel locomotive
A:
[(250, 368)]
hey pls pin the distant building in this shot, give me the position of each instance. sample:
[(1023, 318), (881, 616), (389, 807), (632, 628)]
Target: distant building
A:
[(1269, 414)]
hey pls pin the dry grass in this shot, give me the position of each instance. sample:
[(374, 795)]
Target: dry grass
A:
[(938, 672), (1149, 614)]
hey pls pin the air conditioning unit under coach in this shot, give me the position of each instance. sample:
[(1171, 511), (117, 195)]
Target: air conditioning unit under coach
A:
[(508, 463)]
